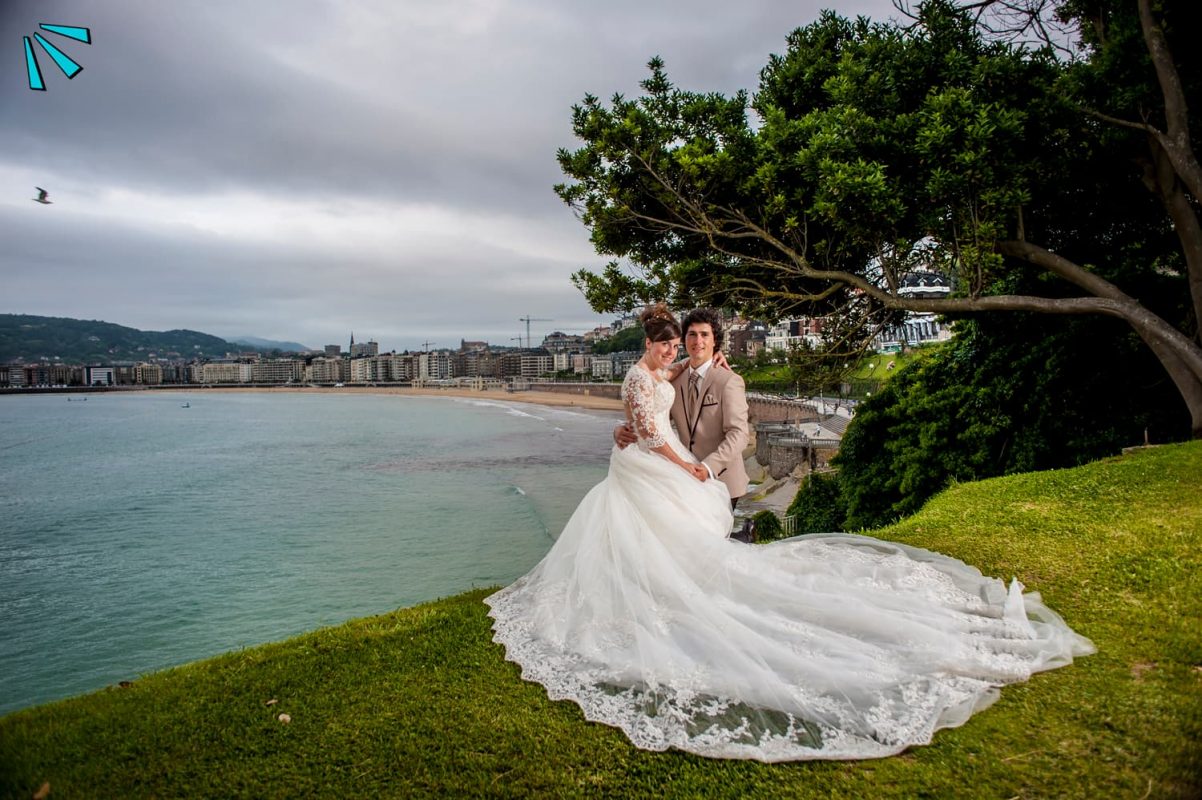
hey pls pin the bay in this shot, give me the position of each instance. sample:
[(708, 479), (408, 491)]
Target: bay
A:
[(137, 534)]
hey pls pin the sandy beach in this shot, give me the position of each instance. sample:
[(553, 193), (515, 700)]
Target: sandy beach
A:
[(536, 398)]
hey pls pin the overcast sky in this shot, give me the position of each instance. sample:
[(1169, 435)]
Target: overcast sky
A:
[(298, 170)]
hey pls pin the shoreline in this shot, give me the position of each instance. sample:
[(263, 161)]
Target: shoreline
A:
[(557, 399)]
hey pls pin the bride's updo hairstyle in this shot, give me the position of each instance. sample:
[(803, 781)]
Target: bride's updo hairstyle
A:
[(659, 324)]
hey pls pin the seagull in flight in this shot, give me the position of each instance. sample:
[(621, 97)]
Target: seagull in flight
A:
[(41, 198)]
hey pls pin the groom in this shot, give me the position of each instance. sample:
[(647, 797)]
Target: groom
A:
[(710, 411)]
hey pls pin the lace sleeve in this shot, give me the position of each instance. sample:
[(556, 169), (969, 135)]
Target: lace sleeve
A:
[(638, 393)]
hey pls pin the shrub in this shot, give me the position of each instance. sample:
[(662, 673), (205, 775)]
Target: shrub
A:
[(767, 526), (819, 506)]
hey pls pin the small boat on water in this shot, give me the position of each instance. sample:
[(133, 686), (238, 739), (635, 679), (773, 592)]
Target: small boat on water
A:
[(186, 405)]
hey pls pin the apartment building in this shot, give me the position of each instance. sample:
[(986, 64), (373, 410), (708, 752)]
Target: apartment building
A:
[(148, 374), (800, 331), (278, 370), (226, 372), (435, 366), (326, 370), (99, 376)]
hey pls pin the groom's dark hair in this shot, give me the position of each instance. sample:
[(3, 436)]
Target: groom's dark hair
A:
[(707, 316)]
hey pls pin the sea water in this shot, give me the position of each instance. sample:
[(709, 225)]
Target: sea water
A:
[(144, 530)]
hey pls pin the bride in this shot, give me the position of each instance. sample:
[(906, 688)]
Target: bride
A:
[(826, 646)]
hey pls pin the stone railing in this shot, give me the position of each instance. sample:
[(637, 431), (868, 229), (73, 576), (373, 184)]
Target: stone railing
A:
[(764, 408), (781, 448)]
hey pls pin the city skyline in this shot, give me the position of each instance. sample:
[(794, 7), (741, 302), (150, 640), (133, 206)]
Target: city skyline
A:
[(296, 171)]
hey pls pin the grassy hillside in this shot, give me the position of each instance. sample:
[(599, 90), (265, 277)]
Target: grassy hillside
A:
[(76, 341), (871, 370), (420, 702)]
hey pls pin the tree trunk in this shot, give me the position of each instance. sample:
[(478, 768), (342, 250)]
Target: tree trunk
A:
[(1186, 383)]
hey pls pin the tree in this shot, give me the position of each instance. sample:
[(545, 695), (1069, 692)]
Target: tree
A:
[(625, 340), (883, 148), (818, 506)]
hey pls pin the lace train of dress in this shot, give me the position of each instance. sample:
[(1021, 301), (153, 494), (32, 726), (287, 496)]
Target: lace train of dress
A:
[(826, 646)]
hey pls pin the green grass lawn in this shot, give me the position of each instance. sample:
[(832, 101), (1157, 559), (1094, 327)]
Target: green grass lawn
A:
[(871, 367), (420, 702), (875, 366)]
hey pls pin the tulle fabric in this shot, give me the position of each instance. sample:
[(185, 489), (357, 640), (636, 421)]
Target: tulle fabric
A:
[(827, 646)]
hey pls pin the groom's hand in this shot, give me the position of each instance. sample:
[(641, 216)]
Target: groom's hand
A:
[(624, 436), (720, 361)]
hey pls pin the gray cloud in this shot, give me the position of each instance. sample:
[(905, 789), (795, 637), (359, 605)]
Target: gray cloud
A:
[(295, 170)]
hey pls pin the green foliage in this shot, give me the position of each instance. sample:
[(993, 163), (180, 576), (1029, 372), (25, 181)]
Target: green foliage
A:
[(422, 703), (74, 341), (1002, 398), (882, 147), (768, 527), (871, 140), (625, 340), (818, 506)]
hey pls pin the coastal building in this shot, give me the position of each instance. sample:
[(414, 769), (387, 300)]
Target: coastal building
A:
[(176, 372), (916, 328), (746, 339), (148, 374), (926, 284), (125, 374), (602, 368), (582, 363), (482, 363), (226, 372), (598, 333), (386, 368), (40, 374), (625, 321), (613, 365), (403, 367), (333, 350), (434, 366), (278, 370), (326, 370), (526, 364), (99, 376), (799, 331), (560, 342), (361, 370)]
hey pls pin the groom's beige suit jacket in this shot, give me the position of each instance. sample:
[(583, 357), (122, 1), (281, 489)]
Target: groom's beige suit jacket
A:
[(714, 428)]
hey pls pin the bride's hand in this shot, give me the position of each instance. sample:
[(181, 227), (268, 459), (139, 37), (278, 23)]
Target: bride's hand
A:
[(698, 471), (720, 361)]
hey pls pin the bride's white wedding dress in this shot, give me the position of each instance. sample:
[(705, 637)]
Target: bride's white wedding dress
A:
[(817, 647)]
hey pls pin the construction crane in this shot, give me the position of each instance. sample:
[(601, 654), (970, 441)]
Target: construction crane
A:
[(426, 346), (528, 319), (517, 339)]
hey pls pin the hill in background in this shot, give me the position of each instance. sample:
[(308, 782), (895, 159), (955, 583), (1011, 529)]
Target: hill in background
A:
[(28, 338), (265, 345)]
